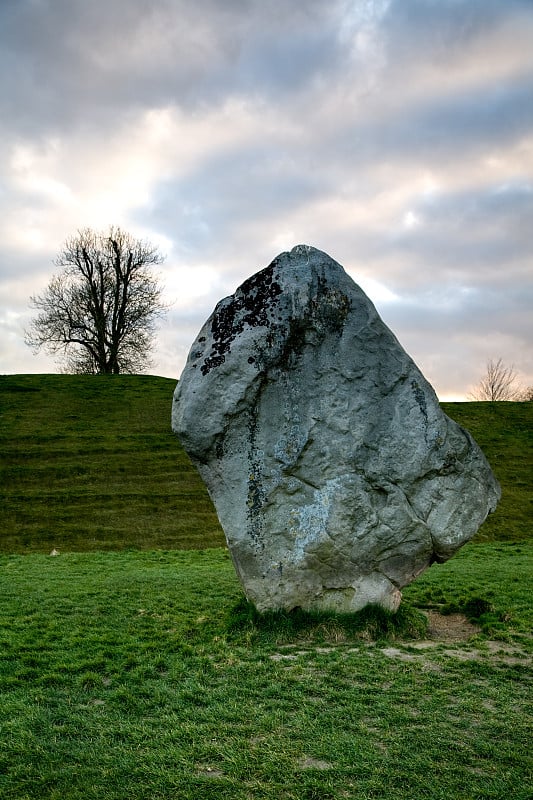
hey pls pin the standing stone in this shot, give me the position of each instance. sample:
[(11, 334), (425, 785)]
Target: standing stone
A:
[(335, 474)]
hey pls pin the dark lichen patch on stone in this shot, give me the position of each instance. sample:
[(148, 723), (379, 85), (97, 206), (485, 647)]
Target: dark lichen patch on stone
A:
[(420, 398), (259, 294), (325, 315), (256, 491), (250, 305), (256, 498)]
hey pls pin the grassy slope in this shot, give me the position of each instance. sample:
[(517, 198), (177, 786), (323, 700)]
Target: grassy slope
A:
[(90, 463), (504, 431)]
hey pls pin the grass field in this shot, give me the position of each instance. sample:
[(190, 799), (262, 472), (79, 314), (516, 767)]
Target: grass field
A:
[(137, 672), (130, 675)]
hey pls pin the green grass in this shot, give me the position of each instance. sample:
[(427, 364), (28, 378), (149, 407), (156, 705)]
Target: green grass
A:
[(90, 463), (143, 673), (489, 583), (504, 431), (130, 675)]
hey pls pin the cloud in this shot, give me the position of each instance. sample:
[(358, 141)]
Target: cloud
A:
[(85, 62), (397, 135)]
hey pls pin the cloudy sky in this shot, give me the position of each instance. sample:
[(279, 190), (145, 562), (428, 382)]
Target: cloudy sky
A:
[(396, 135)]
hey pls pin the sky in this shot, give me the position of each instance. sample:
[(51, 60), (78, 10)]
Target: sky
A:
[(395, 135)]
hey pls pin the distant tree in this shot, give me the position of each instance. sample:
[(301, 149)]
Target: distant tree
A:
[(499, 383), (99, 311)]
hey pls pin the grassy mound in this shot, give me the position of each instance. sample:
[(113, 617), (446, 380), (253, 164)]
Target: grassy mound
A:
[(504, 431), (90, 463)]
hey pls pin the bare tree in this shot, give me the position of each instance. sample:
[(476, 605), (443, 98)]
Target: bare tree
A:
[(499, 383), (99, 312)]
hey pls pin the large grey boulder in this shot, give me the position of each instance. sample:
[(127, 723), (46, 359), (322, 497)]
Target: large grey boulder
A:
[(335, 474)]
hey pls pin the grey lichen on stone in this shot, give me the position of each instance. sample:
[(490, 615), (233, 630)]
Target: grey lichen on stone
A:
[(335, 474)]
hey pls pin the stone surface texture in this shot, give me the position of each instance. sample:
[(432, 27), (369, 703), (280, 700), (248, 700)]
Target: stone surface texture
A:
[(335, 475)]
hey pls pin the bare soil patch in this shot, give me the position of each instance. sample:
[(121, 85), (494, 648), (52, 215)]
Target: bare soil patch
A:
[(313, 763), (450, 627), (209, 772)]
